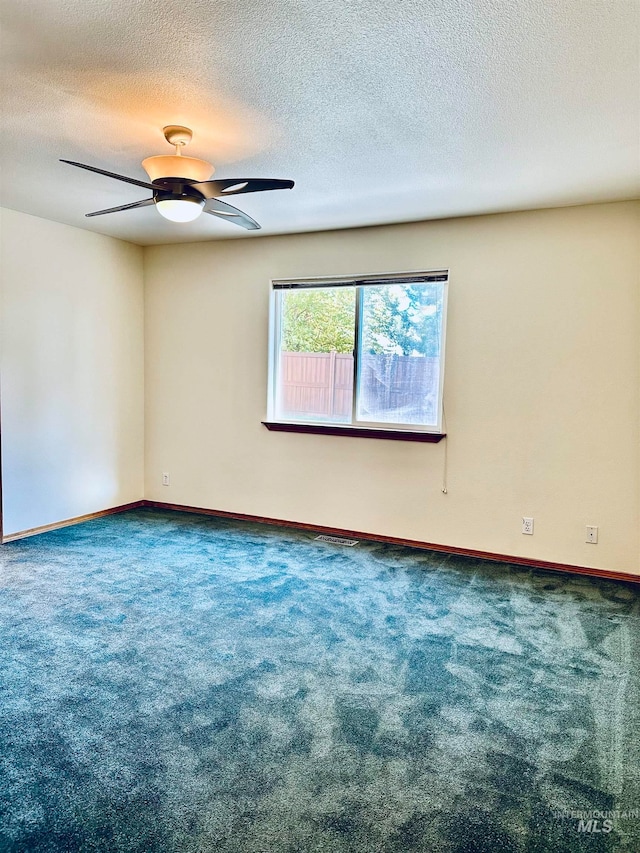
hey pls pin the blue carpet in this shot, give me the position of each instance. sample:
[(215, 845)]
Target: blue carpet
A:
[(172, 683)]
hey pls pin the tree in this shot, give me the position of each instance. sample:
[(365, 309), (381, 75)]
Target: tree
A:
[(402, 319), (318, 320), (397, 319)]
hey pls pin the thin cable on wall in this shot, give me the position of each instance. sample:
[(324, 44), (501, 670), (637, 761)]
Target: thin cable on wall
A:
[(445, 449)]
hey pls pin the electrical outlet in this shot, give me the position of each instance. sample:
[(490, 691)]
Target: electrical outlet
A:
[(592, 535), (166, 480), (527, 526)]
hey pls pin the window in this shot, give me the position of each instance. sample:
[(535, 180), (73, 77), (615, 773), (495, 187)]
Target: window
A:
[(364, 353)]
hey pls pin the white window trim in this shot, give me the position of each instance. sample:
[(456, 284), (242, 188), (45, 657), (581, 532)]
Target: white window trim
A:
[(278, 286)]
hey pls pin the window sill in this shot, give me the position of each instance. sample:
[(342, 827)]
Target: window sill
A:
[(357, 432)]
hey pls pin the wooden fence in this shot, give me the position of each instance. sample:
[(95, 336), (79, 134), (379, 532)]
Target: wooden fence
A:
[(316, 383), (321, 384)]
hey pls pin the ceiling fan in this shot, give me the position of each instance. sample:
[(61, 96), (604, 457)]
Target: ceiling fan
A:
[(181, 186)]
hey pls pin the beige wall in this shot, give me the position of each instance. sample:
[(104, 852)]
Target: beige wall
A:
[(541, 388), (541, 393), (72, 372)]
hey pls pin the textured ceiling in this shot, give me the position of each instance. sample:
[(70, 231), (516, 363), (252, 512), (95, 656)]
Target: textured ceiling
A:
[(380, 110)]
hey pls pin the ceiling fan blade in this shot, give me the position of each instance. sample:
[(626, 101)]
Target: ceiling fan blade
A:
[(234, 186), (231, 214), (134, 181), (143, 203)]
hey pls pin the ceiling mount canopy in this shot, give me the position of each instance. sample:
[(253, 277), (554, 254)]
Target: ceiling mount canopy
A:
[(181, 186), (177, 134)]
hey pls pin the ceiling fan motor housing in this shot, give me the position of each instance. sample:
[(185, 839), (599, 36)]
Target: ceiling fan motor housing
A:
[(178, 191)]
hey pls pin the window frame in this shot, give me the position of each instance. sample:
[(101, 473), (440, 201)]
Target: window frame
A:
[(376, 429)]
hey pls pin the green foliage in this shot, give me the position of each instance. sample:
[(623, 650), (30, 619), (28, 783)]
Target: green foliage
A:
[(398, 319), (402, 319), (318, 320)]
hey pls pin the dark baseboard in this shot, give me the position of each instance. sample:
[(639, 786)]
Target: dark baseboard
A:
[(411, 543), (33, 531), (337, 531)]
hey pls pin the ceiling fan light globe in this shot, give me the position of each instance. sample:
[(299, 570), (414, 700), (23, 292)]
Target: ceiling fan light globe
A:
[(180, 209), (177, 166)]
